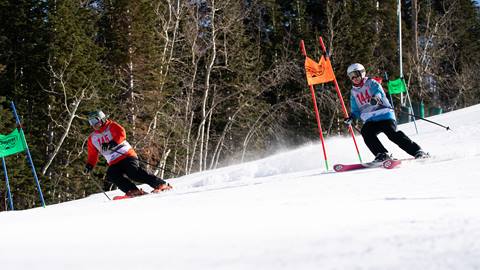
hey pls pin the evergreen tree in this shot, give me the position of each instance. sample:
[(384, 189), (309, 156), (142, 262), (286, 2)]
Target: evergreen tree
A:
[(23, 55)]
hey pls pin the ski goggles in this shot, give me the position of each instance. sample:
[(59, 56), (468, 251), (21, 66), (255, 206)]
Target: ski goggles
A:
[(354, 75), (93, 121)]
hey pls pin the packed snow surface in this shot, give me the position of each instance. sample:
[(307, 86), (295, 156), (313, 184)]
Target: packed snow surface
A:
[(282, 212)]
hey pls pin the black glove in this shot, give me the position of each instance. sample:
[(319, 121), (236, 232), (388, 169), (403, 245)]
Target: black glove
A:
[(375, 100), (348, 121), (107, 146), (88, 169)]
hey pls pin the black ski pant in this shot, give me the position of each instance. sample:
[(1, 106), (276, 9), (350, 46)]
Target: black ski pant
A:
[(370, 131), (129, 168)]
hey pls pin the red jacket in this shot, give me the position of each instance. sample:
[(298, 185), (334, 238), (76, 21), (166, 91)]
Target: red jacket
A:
[(108, 132)]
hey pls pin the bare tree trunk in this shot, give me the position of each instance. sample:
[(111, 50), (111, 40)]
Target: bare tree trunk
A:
[(169, 42), (59, 76), (436, 30), (72, 115), (188, 163), (130, 74), (417, 66), (207, 87), (207, 140), (189, 112)]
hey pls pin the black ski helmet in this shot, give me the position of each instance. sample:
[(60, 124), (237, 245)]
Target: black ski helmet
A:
[(95, 117)]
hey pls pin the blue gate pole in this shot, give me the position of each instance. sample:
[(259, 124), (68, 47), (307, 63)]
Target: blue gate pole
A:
[(19, 126), (8, 184)]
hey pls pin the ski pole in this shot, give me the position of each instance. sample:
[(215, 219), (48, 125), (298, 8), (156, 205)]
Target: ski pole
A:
[(355, 127), (421, 118), (143, 161), (418, 117), (98, 185)]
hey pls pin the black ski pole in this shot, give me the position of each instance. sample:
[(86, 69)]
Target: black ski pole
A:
[(98, 185), (355, 127), (435, 123), (421, 118), (143, 161)]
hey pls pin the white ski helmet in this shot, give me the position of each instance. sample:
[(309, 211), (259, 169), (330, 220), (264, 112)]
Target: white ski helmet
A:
[(357, 69)]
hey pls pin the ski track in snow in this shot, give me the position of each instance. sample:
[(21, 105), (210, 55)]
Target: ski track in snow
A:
[(282, 212)]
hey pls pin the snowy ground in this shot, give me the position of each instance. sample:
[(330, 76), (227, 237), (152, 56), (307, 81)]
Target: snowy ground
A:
[(283, 212)]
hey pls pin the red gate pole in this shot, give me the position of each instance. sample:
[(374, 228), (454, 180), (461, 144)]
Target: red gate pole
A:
[(345, 113), (317, 115)]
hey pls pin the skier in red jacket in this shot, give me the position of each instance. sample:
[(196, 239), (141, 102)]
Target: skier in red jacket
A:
[(109, 139)]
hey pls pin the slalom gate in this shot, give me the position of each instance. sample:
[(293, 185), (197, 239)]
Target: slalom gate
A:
[(14, 143), (319, 73)]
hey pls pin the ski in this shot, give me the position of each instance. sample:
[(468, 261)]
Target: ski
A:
[(356, 166), (387, 164), (391, 163), (122, 197)]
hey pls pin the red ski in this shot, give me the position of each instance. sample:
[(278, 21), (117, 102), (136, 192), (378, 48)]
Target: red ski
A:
[(356, 166), (387, 164), (131, 194), (121, 197), (163, 188)]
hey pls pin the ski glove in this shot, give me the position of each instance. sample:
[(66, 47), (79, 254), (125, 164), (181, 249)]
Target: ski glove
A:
[(348, 121), (88, 169), (375, 100), (107, 146)]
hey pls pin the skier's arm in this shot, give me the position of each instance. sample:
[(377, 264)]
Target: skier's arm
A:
[(377, 90), (118, 132), (354, 110)]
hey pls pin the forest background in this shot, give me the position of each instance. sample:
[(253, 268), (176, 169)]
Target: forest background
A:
[(200, 84)]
